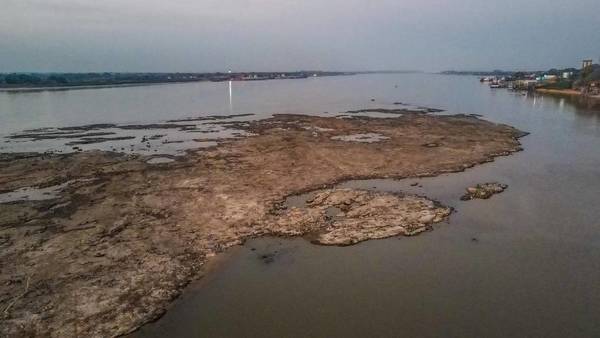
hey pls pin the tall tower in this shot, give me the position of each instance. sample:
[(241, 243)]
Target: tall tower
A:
[(586, 64)]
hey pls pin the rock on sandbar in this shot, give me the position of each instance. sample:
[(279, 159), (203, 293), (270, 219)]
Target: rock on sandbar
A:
[(348, 216), (365, 138), (483, 191)]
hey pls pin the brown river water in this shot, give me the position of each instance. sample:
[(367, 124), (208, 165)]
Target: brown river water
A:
[(525, 263)]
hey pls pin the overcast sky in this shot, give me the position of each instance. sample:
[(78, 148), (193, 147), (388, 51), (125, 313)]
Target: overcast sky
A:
[(262, 35)]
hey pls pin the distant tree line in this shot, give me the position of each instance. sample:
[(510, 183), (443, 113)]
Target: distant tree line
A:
[(479, 72), (79, 79), (94, 79)]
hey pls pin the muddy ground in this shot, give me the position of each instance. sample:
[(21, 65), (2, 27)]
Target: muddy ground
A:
[(118, 244)]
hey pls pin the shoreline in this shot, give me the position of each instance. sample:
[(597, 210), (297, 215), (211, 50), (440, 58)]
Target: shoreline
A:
[(130, 238), (569, 92), (61, 88), (142, 84), (566, 92)]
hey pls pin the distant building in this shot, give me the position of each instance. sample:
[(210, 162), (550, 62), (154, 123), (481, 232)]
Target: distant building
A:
[(567, 75), (586, 64), (525, 84)]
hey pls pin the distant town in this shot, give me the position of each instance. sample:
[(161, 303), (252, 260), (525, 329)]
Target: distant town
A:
[(68, 80), (584, 81)]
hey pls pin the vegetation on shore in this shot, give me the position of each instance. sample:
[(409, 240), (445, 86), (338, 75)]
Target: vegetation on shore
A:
[(35, 80)]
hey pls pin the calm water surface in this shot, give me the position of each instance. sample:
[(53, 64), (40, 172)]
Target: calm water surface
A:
[(21, 111), (525, 263)]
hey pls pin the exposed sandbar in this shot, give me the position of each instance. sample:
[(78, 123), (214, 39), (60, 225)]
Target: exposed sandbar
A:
[(112, 251)]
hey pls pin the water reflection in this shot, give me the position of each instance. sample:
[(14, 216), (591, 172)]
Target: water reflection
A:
[(563, 103), (230, 97)]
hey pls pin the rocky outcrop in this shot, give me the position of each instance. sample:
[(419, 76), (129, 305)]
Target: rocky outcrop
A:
[(483, 191), (347, 216)]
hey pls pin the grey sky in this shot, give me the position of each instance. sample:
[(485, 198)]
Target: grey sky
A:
[(212, 35)]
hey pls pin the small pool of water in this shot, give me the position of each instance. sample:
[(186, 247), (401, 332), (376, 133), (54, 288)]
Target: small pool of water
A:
[(363, 138), (36, 193), (32, 194), (160, 160)]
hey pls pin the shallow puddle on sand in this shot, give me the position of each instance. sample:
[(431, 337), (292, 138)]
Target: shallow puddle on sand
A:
[(172, 137), (365, 138), (160, 160), (37, 194), (32, 194), (299, 201)]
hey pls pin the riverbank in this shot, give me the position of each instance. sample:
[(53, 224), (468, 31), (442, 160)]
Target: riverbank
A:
[(66, 81), (568, 92), (61, 88), (124, 237)]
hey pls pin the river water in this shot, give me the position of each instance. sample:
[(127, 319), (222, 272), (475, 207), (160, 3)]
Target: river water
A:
[(525, 263)]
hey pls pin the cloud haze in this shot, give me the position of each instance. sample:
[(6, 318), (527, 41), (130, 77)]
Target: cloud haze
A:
[(212, 35)]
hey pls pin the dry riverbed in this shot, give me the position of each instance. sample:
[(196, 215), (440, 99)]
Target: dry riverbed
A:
[(110, 249)]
